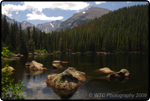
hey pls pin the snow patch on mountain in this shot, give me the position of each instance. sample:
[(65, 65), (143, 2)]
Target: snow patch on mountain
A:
[(52, 25), (83, 12)]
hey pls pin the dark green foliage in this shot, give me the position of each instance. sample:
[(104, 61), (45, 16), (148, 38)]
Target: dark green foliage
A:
[(5, 52), (41, 51), (13, 37), (9, 91), (4, 30), (30, 45), (125, 30)]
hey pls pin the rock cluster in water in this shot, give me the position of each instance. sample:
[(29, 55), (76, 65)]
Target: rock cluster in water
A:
[(121, 74)]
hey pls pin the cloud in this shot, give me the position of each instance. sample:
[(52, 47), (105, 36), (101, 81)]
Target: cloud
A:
[(128, 1), (38, 90), (16, 12), (99, 2), (56, 5), (41, 16), (7, 9), (39, 6)]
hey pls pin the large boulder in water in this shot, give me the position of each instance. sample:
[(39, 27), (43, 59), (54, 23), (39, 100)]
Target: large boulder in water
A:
[(36, 66), (70, 79)]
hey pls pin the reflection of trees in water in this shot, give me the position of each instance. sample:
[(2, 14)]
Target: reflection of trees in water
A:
[(137, 64), (91, 78), (28, 77)]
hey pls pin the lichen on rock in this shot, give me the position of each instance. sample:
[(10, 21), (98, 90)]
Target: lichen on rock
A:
[(68, 80)]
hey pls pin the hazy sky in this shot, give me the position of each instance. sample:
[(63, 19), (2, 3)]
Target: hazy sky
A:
[(41, 12)]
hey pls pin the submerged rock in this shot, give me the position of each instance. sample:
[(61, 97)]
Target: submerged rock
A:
[(70, 79)]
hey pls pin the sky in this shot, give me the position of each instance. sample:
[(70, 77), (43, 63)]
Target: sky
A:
[(42, 12)]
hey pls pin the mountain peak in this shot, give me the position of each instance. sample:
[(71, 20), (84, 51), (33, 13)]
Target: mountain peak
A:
[(26, 24), (82, 17), (49, 26)]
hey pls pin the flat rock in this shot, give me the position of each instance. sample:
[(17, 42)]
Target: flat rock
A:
[(106, 70), (57, 64), (36, 66)]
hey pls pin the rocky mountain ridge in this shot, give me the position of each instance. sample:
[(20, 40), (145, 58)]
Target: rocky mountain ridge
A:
[(82, 17), (75, 20)]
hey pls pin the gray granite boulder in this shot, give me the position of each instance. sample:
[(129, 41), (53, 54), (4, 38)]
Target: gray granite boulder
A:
[(70, 79), (36, 66)]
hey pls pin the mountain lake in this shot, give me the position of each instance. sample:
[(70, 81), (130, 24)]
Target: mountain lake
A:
[(96, 86)]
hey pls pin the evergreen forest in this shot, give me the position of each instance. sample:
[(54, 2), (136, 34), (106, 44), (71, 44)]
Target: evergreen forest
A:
[(125, 29)]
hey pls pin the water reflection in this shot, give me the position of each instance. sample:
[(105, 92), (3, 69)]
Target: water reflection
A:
[(112, 79), (36, 87), (35, 72), (35, 90), (62, 93)]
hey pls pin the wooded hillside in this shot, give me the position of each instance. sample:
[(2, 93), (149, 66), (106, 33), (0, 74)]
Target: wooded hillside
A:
[(125, 29)]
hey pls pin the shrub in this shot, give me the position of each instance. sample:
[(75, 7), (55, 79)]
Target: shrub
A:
[(9, 91), (5, 52), (41, 51)]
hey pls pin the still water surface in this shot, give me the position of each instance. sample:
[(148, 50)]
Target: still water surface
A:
[(96, 87)]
